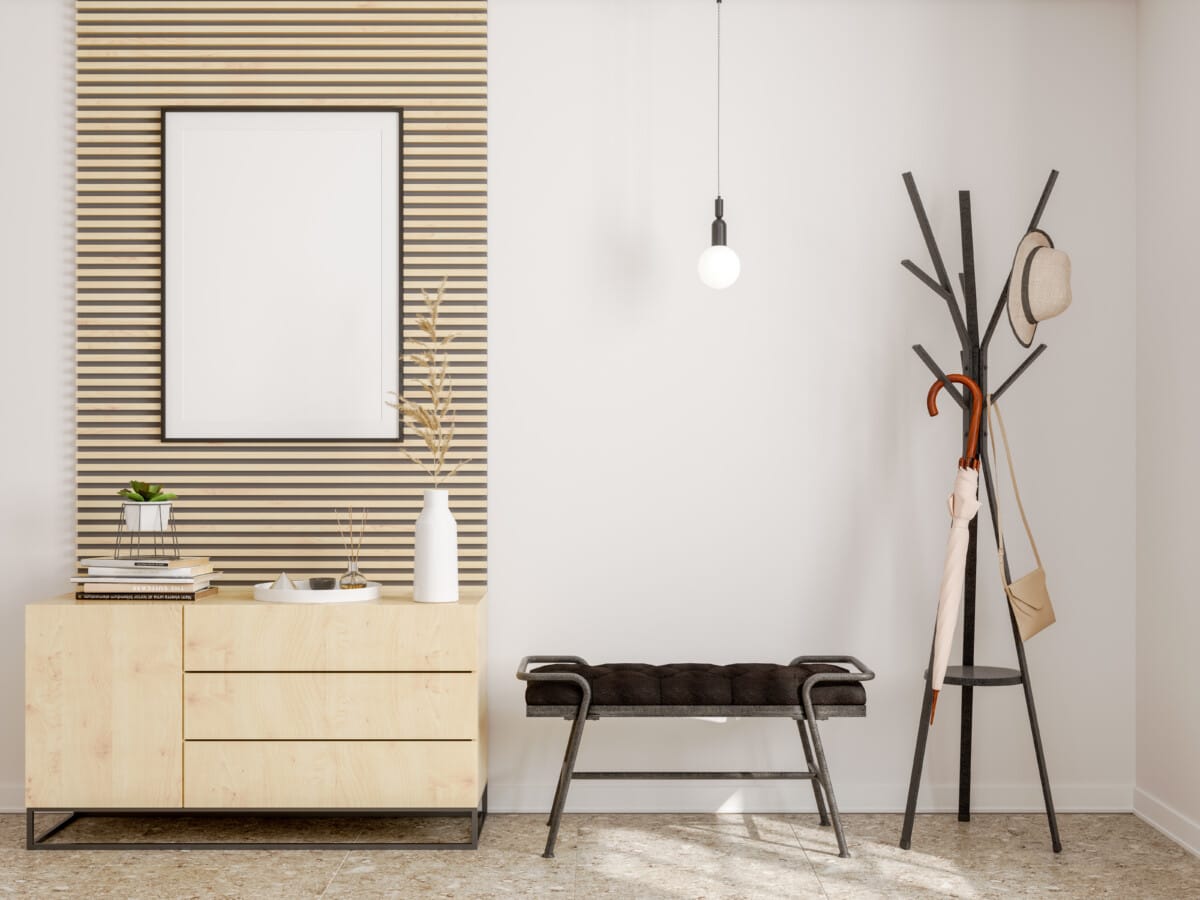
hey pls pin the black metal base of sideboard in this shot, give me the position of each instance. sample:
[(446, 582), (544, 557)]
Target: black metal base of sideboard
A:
[(36, 841)]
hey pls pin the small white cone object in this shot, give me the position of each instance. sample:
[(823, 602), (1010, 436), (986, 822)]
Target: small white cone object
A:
[(964, 504), (283, 583)]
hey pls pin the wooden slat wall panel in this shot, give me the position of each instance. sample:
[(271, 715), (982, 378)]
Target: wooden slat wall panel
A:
[(258, 508)]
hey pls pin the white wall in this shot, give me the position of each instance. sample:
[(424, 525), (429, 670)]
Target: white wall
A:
[(37, 322), (1168, 319), (679, 474)]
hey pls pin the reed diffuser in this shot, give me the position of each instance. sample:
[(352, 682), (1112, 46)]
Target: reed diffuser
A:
[(352, 540)]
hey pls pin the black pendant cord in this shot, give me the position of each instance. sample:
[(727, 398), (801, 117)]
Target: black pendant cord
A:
[(718, 98)]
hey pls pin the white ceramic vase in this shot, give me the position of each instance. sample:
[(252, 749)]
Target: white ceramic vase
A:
[(435, 568), (148, 516)]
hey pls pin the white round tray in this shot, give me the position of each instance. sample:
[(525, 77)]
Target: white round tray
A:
[(304, 594)]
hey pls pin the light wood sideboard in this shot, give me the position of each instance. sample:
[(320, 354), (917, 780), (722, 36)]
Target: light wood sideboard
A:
[(228, 704)]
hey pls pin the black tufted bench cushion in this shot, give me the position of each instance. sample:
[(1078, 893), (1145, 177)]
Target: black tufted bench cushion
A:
[(693, 684)]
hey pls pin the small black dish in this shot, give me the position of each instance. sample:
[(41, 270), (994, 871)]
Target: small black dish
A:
[(322, 584)]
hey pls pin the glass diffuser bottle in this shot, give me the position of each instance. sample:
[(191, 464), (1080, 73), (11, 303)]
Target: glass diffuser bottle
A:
[(353, 579)]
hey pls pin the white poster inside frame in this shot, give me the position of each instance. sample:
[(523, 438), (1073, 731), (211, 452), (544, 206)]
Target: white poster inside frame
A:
[(281, 274)]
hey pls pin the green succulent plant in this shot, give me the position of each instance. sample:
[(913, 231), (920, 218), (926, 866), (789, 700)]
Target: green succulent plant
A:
[(141, 492)]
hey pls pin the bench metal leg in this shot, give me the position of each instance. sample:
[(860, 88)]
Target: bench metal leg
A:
[(562, 774), (564, 779), (816, 783), (827, 783)]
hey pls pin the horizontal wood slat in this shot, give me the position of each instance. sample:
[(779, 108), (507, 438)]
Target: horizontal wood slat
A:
[(258, 508)]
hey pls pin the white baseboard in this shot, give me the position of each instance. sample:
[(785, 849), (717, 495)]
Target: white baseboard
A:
[(12, 797), (708, 797), (1180, 828)]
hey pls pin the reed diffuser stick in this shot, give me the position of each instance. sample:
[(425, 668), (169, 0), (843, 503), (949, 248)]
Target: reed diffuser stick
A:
[(353, 544)]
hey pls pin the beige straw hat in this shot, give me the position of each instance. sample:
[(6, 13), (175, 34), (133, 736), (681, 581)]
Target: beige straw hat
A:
[(1039, 286)]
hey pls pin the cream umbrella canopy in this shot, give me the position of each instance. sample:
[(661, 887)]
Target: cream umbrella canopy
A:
[(963, 504)]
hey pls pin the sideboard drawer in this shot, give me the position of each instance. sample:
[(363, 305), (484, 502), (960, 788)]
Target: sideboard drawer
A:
[(347, 637), (331, 774), (331, 706)]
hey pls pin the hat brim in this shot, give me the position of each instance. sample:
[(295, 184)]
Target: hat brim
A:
[(1023, 330)]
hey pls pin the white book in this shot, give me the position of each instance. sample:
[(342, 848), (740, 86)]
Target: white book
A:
[(147, 562), (143, 579), (149, 574)]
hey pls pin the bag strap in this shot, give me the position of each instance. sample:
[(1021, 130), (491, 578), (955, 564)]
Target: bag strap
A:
[(1012, 474), (996, 500)]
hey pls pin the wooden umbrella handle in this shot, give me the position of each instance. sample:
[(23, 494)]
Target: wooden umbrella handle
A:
[(972, 457)]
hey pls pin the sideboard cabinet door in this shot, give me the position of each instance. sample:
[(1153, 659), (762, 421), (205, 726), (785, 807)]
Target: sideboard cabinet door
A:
[(103, 705)]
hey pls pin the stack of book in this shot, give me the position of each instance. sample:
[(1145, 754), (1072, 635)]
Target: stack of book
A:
[(145, 578)]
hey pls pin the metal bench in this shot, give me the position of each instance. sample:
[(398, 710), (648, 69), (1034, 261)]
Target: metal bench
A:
[(809, 689)]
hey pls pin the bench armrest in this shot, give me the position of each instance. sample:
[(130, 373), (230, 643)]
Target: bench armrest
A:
[(575, 678), (863, 673), (524, 674)]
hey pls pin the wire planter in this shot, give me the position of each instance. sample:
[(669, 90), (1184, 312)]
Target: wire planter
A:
[(159, 543)]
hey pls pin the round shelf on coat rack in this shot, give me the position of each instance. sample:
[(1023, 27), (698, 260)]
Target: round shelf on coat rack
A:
[(981, 676)]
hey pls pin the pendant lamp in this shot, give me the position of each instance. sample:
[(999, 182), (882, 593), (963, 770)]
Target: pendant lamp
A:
[(719, 266)]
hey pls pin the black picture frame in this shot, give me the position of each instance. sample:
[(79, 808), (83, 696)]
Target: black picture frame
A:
[(168, 110)]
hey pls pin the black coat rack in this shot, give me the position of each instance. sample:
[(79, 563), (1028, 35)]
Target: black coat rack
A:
[(974, 364)]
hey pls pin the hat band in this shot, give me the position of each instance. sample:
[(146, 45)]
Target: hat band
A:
[(1025, 286)]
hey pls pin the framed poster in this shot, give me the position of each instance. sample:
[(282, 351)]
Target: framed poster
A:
[(282, 273)]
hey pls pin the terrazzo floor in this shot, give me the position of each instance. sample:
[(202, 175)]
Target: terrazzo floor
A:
[(627, 856)]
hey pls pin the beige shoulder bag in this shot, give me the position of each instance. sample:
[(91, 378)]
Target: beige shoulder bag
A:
[(1028, 596)]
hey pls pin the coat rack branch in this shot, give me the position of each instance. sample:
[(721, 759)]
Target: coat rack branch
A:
[(935, 255), (928, 280), (1018, 372), (1036, 220), (951, 387), (997, 312), (974, 364), (951, 303)]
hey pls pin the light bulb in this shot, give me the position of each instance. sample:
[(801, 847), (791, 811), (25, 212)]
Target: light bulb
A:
[(719, 266)]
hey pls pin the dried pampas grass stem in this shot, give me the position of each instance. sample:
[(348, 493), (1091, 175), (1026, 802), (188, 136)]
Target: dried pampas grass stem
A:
[(430, 415)]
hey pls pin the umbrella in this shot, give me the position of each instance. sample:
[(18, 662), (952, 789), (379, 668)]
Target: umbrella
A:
[(964, 504)]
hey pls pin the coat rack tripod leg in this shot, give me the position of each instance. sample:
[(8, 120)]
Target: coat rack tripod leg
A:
[(914, 782), (1026, 684)]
